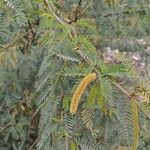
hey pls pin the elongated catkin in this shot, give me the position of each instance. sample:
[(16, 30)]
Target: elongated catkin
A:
[(80, 90), (135, 122)]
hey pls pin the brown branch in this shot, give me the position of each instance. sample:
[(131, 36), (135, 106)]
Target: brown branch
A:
[(33, 144), (121, 89), (15, 40), (6, 126), (127, 12), (61, 20)]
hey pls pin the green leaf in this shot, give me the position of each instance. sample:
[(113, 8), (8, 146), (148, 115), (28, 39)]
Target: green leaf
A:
[(92, 96)]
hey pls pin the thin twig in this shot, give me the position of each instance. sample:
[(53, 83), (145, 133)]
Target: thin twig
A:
[(61, 20), (121, 89), (6, 126), (33, 144), (15, 40), (36, 112)]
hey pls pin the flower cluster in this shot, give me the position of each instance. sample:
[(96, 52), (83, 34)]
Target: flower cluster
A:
[(80, 90)]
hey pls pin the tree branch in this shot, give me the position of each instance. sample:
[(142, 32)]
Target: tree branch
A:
[(15, 40), (33, 144), (61, 20)]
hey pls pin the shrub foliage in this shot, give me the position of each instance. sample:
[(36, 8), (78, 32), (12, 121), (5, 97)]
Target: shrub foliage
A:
[(56, 90)]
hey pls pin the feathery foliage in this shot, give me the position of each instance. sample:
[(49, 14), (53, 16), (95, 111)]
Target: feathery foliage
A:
[(56, 89)]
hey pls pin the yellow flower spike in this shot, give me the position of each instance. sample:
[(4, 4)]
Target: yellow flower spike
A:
[(80, 90), (135, 122)]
